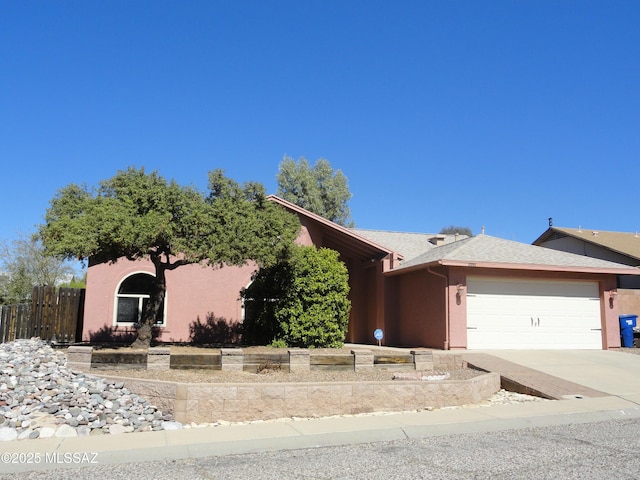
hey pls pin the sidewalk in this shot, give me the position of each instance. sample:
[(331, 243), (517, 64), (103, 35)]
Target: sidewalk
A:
[(293, 434)]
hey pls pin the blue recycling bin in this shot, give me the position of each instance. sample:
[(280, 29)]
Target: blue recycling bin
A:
[(627, 323)]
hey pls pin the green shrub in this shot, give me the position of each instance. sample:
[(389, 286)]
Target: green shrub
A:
[(315, 311), (301, 302), (278, 344)]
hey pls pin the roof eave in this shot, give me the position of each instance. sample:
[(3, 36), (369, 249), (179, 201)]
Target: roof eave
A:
[(516, 266), (545, 236), (413, 268), (328, 223), (542, 267)]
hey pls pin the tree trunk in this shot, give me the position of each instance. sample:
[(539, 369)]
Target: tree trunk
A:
[(143, 339), (150, 313)]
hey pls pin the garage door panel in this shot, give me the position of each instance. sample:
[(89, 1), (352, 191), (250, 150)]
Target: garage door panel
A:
[(514, 339), (531, 288), (503, 320), (532, 314)]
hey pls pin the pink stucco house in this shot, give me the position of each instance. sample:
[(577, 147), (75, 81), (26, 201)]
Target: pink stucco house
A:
[(422, 290)]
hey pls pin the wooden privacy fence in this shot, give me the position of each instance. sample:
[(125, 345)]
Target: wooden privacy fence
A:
[(54, 314)]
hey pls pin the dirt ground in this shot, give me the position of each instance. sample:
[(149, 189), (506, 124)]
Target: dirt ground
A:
[(186, 349), (273, 374)]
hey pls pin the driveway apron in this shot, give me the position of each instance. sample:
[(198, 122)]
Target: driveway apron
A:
[(613, 372)]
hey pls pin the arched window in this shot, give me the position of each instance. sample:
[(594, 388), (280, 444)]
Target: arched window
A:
[(133, 295)]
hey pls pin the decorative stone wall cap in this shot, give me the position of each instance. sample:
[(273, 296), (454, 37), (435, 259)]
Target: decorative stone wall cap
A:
[(231, 351), (159, 351), (428, 376), (298, 351), (361, 352), (79, 349), (421, 352)]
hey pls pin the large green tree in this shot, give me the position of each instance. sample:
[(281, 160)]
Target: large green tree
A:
[(136, 215), (319, 188), (25, 264)]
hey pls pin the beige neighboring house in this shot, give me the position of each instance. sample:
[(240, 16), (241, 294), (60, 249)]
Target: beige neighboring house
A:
[(619, 247)]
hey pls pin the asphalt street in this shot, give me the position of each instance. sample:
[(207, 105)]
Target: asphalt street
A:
[(601, 450)]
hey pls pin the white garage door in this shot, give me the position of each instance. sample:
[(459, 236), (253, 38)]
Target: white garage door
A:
[(532, 314)]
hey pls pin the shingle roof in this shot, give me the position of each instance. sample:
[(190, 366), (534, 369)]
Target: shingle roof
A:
[(484, 249), (409, 245), (620, 242)]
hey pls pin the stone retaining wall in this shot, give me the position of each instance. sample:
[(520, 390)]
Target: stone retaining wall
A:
[(208, 403), (84, 358)]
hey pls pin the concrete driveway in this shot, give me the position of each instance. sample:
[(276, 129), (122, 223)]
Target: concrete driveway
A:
[(613, 372)]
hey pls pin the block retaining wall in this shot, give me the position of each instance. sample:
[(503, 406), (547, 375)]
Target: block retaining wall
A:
[(211, 402), (208, 403), (84, 358)]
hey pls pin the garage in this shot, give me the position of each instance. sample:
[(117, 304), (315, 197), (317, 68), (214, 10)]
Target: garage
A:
[(533, 314), (501, 294)]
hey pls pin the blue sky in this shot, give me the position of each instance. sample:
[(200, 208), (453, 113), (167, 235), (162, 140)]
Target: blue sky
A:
[(476, 113)]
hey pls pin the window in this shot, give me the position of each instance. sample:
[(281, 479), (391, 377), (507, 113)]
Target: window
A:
[(132, 297)]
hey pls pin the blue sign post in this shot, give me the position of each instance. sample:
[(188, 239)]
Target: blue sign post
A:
[(378, 335)]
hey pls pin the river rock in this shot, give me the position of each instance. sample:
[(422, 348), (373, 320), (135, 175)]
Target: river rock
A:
[(35, 381), (7, 434), (66, 431), (171, 425), (116, 429)]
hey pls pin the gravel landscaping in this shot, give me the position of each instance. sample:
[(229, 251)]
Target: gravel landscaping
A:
[(40, 397)]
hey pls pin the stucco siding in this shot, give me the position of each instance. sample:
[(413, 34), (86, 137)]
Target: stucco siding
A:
[(629, 302), (356, 331), (424, 315), (419, 317), (193, 293)]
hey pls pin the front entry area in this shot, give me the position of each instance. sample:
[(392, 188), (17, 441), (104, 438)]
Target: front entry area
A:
[(532, 314)]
